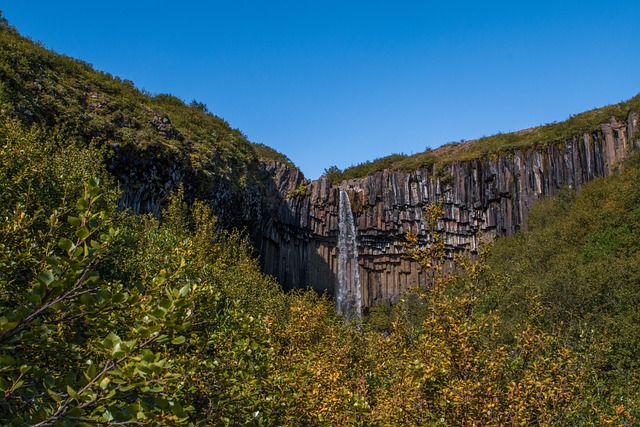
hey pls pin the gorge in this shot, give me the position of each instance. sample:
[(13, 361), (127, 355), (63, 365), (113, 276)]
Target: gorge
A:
[(157, 146), (482, 198), (136, 231)]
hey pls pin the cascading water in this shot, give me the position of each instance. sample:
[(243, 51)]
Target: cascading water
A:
[(348, 293)]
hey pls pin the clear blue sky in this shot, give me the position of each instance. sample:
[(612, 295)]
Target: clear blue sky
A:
[(341, 82)]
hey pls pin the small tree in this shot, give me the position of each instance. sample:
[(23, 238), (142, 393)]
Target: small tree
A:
[(431, 255), (76, 348), (334, 175), (465, 375)]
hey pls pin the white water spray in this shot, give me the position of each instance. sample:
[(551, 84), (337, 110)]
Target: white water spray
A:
[(348, 293)]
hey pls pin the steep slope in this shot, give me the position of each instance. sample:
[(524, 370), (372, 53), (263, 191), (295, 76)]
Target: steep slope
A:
[(580, 260), (485, 197), (156, 143)]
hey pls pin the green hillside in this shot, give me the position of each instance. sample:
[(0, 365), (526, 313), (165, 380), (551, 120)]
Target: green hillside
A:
[(538, 137), (580, 257), (108, 317), (72, 99)]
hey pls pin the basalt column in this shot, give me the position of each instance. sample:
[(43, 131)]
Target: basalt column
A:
[(481, 198)]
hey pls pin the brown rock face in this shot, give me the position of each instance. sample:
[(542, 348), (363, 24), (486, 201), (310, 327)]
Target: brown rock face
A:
[(487, 197)]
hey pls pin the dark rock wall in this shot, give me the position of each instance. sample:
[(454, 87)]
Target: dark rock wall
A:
[(482, 198), (293, 222), (148, 177)]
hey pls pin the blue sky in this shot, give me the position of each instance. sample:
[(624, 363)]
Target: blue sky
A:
[(337, 83)]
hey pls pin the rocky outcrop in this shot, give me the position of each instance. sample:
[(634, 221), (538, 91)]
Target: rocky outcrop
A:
[(481, 198), (293, 222), (149, 176)]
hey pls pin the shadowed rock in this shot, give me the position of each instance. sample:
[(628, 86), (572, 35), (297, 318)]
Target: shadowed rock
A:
[(481, 199)]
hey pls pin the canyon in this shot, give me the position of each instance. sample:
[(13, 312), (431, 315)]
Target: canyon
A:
[(156, 146), (297, 234)]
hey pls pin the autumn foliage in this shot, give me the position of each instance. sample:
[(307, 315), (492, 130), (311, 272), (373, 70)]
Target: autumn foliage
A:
[(113, 318), (116, 319)]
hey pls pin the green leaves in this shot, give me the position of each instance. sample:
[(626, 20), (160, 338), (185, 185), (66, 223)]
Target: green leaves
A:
[(178, 340), (46, 277), (48, 330), (82, 232), (112, 343), (66, 244)]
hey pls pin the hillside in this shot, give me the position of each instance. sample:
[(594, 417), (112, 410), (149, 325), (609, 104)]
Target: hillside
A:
[(183, 144), (160, 314), (576, 271), (528, 139)]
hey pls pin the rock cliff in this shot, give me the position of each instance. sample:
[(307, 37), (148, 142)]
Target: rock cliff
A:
[(487, 197), (293, 222)]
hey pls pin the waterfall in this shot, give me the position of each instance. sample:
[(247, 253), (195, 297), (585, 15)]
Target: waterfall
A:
[(348, 293)]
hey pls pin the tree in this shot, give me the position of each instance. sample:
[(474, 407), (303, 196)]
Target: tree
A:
[(333, 174), (78, 348)]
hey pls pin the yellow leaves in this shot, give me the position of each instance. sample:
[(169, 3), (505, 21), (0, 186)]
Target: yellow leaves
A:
[(613, 206), (465, 376), (411, 238)]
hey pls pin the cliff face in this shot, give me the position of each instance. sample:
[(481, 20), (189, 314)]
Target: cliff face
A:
[(293, 222), (482, 198), (148, 177)]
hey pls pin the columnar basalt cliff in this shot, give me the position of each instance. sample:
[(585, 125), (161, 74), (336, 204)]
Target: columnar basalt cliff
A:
[(481, 198), (155, 145)]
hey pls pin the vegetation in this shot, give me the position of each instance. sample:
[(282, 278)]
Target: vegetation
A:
[(301, 190), (393, 162), (267, 153), (106, 315), (42, 87), (538, 137), (112, 318), (580, 257)]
